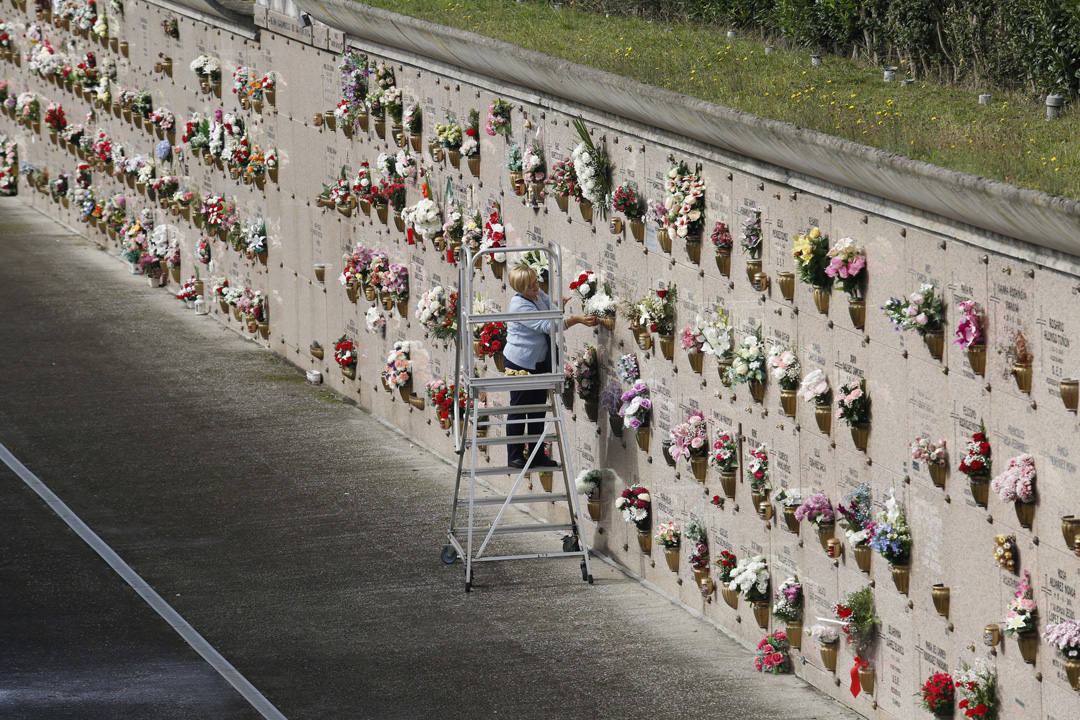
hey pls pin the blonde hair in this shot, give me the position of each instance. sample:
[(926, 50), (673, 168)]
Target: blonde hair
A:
[(521, 277)]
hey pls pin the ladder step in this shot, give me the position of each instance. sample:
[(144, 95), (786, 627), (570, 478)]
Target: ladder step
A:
[(511, 439), (509, 409), (506, 383), (509, 529), (508, 470), (499, 500)]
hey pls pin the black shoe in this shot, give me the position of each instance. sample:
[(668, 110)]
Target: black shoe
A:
[(517, 463), (544, 461)]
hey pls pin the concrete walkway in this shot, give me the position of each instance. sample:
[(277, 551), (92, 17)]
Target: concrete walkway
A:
[(299, 535)]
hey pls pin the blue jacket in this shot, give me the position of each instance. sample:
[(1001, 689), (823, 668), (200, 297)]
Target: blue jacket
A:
[(527, 342)]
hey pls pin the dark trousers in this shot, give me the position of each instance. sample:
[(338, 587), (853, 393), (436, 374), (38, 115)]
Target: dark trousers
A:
[(526, 397)]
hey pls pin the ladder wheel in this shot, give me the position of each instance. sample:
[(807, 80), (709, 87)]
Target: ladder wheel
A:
[(449, 554), (570, 544)]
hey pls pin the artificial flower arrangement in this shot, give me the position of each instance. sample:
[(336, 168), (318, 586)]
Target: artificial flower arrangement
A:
[(54, 118), (857, 520), (788, 601), (533, 165), (1022, 360), (847, 267), (1065, 638), (750, 237), (815, 388), (977, 463), (785, 369), (448, 400), (750, 578), (625, 199), (976, 686), (470, 144), (490, 341), (1017, 485), (394, 284), (772, 654), (922, 311), (636, 409), (588, 482), (393, 99), (725, 565), (171, 28), (818, 510), (592, 167), (494, 236), (374, 320), (610, 401), (586, 372), (253, 237), (398, 372), (714, 335), (498, 118), (725, 458), (748, 365), (693, 342), (684, 201), (187, 293), (1006, 552), (858, 618), (564, 182), (1022, 618), (424, 217), (669, 534), (757, 470), (626, 367), (634, 504), (933, 454), (938, 694), (354, 68), (690, 440), (698, 543), (890, 537), (811, 254), (853, 407), (346, 356), (971, 335), (449, 134), (437, 311)]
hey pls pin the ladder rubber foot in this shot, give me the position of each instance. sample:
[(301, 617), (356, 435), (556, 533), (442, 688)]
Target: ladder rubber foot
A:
[(468, 587)]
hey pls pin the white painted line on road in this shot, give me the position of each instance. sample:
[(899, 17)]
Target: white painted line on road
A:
[(191, 636)]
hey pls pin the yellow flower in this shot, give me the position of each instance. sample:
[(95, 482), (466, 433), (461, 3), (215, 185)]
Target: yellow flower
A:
[(814, 234)]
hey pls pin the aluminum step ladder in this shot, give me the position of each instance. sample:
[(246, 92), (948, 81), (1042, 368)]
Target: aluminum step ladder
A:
[(471, 540)]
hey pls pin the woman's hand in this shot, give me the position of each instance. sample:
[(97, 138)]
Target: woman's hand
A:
[(588, 320)]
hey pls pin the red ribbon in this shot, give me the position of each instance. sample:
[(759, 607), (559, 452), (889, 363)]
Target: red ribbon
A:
[(449, 256), (409, 234), (856, 684)]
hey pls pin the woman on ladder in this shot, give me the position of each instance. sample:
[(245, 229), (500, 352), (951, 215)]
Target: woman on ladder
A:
[(528, 347)]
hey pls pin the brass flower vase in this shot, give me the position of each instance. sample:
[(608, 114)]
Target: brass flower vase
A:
[(786, 281), (723, 262), (699, 465), (667, 346), (901, 577), (753, 267), (790, 520), (671, 555), (761, 613), (938, 474), (821, 299), (977, 359), (828, 654), (823, 416), (787, 401), (643, 435), (935, 343), (644, 541), (940, 594), (727, 482), (1029, 645), (1025, 513), (980, 488), (757, 391), (863, 555), (731, 597), (1022, 373), (857, 311), (860, 435), (1070, 393)]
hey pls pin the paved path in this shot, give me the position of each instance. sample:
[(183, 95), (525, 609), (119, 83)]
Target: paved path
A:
[(297, 534)]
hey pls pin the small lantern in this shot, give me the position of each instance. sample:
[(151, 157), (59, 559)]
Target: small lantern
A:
[(991, 635), (834, 548)]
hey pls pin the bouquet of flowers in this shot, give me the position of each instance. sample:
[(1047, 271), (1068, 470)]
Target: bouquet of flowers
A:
[(757, 469), (750, 239), (634, 504), (788, 605), (815, 387), (1005, 552), (715, 334), (447, 399), (689, 438), (977, 461), (750, 578), (374, 319), (495, 237), (532, 163), (817, 509), (626, 200), (772, 654), (856, 517), (726, 565), (669, 534), (470, 144), (602, 305), (54, 118), (938, 694), (857, 614), (627, 368), (931, 453), (889, 534), (784, 366), (922, 311), (725, 453), (345, 352), (1023, 611), (398, 371), (721, 238), (564, 180), (1017, 483), (748, 361), (585, 286), (585, 371), (1065, 637), (636, 406), (977, 687), (384, 76), (811, 253), (846, 264), (593, 169), (424, 217), (491, 339), (498, 118), (692, 338), (437, 311), (588, 481), (853, 404), (699, 544), (969, 331), (449, 134), (684, 200), (395, 282)]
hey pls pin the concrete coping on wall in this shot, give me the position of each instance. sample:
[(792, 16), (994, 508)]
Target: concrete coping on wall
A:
[(1043, 220), (233, 15)]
